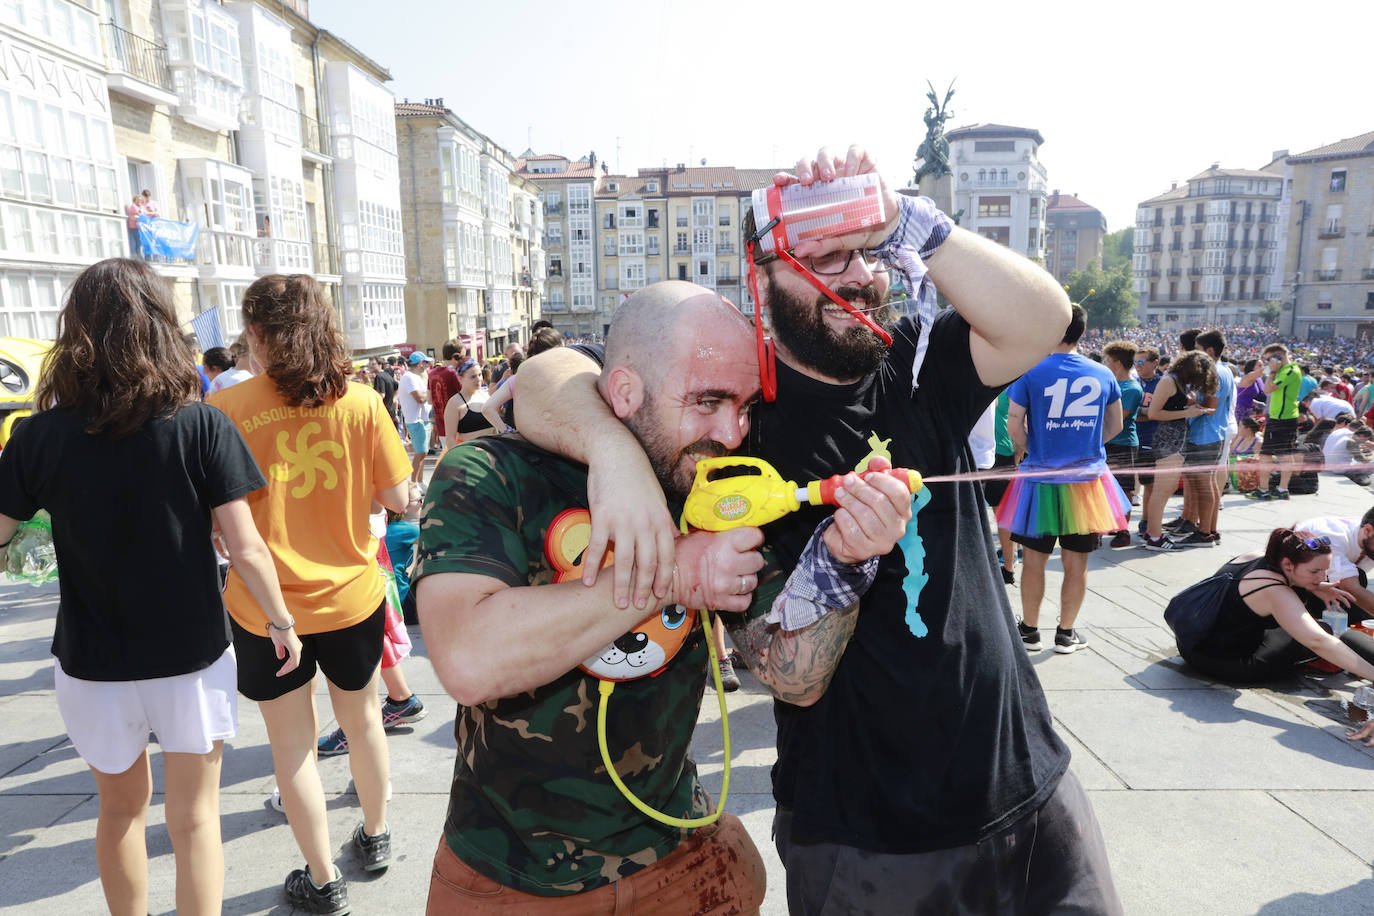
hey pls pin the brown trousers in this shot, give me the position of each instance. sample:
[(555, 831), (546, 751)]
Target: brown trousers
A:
[(717, 871)]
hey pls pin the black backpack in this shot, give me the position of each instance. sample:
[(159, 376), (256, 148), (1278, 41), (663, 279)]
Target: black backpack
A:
[(1192, 613)]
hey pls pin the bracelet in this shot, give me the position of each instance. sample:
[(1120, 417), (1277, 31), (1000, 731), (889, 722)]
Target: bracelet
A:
[(272, 626)]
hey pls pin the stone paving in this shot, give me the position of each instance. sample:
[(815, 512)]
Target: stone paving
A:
[(1213, 800)]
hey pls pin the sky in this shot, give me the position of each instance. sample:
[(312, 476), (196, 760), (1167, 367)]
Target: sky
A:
[(1129, 97)]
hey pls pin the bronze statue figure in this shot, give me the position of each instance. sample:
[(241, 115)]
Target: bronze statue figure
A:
[(933, 153)]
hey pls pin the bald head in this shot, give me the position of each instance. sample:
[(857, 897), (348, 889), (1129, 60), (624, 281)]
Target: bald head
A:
[(663, 322)]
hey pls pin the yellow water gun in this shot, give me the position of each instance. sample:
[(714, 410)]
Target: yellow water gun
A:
[(721, 503)]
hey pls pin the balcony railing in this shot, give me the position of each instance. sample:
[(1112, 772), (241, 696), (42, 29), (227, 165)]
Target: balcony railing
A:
[(1175, 271), (1175, 246), (1267, 218), (1198, 218), (1229, 271), (1247, 243), (1157, 246), (1154, 274), (1329, 274), (682, 221), (653, 249), (723, 221), (1231, 243), (1332, 232), (1233, 217), (313, 136), (725, 249), (681, 249), (553, 209), (281, 255), (1176, 221), (1370, 230), (1194, 246), (1194, 271), (1245, 270), (140, 58), (608, 250), (1369, 273)]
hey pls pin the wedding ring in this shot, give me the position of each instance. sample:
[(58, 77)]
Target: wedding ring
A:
[(744, 585)]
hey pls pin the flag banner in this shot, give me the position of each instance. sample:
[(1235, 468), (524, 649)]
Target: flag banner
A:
[(206, 326), (167, 239)]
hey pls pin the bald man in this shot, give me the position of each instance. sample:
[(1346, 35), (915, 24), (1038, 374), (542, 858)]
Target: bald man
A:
[(533, 817)]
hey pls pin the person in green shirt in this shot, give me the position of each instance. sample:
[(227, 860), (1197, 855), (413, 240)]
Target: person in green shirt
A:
[(1119, 356), (1283, 386)]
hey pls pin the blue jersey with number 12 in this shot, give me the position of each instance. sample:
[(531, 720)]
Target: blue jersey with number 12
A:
[(1065, 397)]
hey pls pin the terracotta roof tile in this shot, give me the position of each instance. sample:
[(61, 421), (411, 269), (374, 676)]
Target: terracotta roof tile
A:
[(411, 109), (1066, 202), (1351, 146)]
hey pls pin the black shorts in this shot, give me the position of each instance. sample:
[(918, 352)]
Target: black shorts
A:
[(348, 657), (1199, 455), (1121, 462), (1280, 437), (1144, 458), (1078, 543), (994, 490)]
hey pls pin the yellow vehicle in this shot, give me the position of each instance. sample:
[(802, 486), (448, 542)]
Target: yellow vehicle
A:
[(21, 360)]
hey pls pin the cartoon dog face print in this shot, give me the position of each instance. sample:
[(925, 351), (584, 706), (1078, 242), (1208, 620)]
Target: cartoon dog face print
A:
[(647, 648)]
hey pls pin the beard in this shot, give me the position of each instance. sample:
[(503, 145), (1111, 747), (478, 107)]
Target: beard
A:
[(666, 460), (799, 325)]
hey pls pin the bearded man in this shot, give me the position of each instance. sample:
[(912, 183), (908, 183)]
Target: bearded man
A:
[(923, 774)]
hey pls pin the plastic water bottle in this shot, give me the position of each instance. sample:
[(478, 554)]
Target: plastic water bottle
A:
[(1337, 620)]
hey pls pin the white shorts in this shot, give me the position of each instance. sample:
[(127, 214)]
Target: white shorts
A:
[(109, 721)]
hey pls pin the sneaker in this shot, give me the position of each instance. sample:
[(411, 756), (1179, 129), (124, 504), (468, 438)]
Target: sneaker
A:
[(1278, 494), (275, 801), (402, 713), (1196, 539), (375, 851), (1179, 526), (1142, 528), (1067, 641), (1008, 577), (1030, 637), (332, 744), (1121, 539), (737, 661), (729, 680), (1162, 545), (1259, 494), (301, 893)]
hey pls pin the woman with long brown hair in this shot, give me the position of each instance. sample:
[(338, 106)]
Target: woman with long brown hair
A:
[(1191, 379), (134, 471), (330, 451)]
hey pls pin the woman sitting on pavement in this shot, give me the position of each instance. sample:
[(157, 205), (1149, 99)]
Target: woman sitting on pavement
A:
[(1266, 625), (133, 470)]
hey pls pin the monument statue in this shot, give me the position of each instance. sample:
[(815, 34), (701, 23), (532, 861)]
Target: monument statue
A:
[(933, 153)]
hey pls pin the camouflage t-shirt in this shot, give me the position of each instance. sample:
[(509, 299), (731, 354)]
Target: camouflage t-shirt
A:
[(531, 805)]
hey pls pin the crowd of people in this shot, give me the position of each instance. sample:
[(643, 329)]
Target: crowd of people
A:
[(866, 619)]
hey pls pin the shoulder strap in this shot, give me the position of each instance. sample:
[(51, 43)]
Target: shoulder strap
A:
[(1259, 588)]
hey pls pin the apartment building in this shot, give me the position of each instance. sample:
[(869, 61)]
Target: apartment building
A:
[(1000, 184), (253, 130), (632, 225), (473, 233), (1204, 252), (1073, 235), (566, 191), (1326, 240)]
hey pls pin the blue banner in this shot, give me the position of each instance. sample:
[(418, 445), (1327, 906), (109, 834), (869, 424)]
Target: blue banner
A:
[(167, 239)]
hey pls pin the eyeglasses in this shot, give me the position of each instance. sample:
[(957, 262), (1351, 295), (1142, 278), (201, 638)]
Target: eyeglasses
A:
[(836, 262)]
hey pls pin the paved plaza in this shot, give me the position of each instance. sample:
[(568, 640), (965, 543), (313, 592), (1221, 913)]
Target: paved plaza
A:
[(1213, 800)]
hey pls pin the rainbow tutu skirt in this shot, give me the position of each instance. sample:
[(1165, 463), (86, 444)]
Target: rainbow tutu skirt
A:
[(1036, 509)]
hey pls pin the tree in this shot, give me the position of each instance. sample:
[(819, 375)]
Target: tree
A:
[(1118, 247), (1269, 312), (1106, 295)]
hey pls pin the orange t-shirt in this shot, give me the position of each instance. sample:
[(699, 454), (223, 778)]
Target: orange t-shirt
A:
[(323, 465)]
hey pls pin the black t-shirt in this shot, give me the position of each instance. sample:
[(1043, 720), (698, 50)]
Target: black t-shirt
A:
[(131, 523), (385, 385), (934, 732)]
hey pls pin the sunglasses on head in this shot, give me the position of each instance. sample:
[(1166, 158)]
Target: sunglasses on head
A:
[(1314, 543)]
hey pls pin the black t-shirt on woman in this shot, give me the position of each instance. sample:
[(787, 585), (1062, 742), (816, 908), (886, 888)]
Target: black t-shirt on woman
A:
[(131, 524), (934, 732)]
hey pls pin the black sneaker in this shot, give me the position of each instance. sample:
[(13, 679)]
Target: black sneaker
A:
[(1121, 539), (1030, 637), (1179, 526), (729, 680), (737, 661), (375, 851), (1259, 494), (1163, 544), (1067, 641), (1141, 528), (1008, 577), (301, 893), (1196, 539), (1278, 494)]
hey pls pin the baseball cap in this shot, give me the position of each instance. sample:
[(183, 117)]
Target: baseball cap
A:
[(417, 357)]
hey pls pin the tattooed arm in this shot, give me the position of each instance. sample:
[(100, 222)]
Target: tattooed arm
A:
[(794, 647), (796, 667)]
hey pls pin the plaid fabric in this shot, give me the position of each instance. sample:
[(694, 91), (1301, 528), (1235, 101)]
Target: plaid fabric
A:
[(819, 584), (921, 229)]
